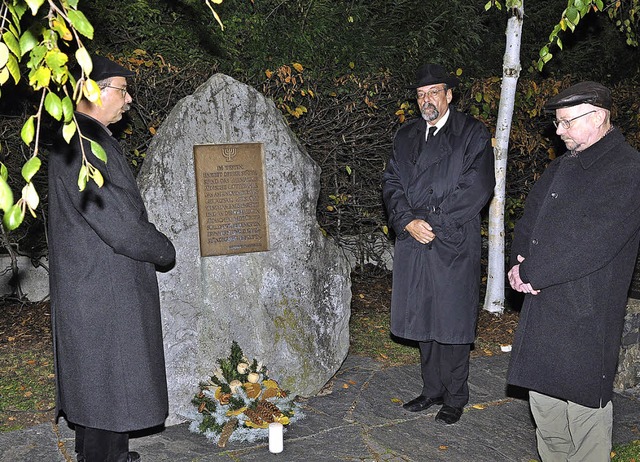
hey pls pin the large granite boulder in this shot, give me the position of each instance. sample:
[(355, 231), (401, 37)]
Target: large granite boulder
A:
[(287, 307)]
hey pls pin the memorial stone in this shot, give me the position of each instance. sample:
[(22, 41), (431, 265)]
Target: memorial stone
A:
[(287, 306)]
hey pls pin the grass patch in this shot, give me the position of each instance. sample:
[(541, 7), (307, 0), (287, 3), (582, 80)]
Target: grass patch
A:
[(627, 452)]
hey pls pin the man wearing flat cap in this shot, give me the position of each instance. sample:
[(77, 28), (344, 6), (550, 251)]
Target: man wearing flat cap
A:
[(573, 256), (436, 183), (109, 358)]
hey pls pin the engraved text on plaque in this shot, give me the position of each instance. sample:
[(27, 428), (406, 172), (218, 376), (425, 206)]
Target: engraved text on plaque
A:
[(232, 204)]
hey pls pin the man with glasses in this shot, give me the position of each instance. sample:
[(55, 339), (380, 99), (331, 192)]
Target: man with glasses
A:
[(436, 183), (573, 256), (107, 330)]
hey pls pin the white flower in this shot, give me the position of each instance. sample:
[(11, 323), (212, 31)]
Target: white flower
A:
[(242, 368), (253, 377), (234, 385)]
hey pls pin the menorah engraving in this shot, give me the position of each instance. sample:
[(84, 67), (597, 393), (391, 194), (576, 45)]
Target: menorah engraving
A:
[(229, 153)]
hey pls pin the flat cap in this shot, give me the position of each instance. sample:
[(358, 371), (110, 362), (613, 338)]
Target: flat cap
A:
[(430, 74), (581, 93), (104, 68)]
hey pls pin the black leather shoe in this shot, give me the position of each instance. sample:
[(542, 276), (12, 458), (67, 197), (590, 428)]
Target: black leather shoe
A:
[(449, 415), (421, 403)]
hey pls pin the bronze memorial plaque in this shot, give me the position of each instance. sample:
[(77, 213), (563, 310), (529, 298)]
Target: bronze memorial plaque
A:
[(232, 199)]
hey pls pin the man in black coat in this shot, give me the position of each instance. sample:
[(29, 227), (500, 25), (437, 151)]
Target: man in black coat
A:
[(573, 256), (434, 187), (109, 358)]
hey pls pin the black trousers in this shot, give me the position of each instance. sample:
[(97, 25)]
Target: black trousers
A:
[(445, 370), (95, 445)]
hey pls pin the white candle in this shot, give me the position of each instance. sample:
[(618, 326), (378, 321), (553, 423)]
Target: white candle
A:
[(275, 437)]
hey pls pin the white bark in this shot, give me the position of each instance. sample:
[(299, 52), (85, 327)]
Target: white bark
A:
[(494, 298)]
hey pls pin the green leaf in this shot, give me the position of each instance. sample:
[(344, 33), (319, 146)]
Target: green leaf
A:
[(13, 217), (487, 6), (53, 105), (600, 5), (98, 151), (30, 196), (30, 168), (4, 173), (12, 43), (34, 5), (40, 78), (28, 131), (6, 195), (4, 75), (14, 68), (28, 41), (17, 11), (73, 3), (544, 51), (68, 130), (80, 23), (83, 175), (97, 177), (67, 109), (573, 15), (84, 60), (348, 169)]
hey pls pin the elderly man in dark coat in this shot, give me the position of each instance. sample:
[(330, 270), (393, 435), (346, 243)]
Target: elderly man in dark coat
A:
[(573, 256), (109, 357), (434, 187)]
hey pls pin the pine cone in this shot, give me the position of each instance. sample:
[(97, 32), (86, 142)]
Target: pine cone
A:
[(255, 417), (268, 411), (227, 430)]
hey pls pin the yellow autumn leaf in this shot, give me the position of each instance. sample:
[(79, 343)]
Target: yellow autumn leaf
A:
[(236, 412), (268, 73), (442, 447), (298, 67), (479, 406)]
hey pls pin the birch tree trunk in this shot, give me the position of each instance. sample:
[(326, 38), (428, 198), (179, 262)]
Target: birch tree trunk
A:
[(495, 295)]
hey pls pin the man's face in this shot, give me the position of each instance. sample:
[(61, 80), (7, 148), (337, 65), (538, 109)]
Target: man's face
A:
[(433, 101), (584, 121), (115, 101)]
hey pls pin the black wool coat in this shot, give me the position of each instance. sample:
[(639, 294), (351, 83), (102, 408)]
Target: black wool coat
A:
[(579, 236), (109, 358), (436, 286)]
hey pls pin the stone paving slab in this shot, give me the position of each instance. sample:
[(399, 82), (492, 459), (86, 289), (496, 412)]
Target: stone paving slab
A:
[(358, 417)]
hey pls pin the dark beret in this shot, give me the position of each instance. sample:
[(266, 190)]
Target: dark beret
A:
[(104, 68), (430, 74), (581, 93)]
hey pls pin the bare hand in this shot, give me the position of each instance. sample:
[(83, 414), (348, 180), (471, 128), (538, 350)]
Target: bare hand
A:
[(516, 282), (421, 231)]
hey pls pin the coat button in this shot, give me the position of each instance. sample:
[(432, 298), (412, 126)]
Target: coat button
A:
[(430, 191), (534, 241), (554, 195)]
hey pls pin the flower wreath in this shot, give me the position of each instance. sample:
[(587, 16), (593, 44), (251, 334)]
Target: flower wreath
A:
[(239, 401)]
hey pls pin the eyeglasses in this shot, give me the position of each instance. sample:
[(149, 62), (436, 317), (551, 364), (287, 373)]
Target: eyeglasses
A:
[(430, 93), (566, 124), (123, 90)]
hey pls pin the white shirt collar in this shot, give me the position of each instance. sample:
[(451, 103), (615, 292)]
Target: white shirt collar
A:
[(440, 122)]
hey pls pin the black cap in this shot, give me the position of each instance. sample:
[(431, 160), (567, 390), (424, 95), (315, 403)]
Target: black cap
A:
[(581, 93), (104, 68), (430, 74)]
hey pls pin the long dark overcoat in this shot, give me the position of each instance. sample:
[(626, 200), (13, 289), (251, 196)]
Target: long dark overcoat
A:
[(107, 329), (579, 236), (435, 286)]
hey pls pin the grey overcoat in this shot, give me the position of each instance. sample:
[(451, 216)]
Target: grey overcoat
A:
[(435, 286), (109, 358), (579, 236)]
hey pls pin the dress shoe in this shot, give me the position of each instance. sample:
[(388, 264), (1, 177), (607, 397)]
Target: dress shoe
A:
[(449, 415), (421, 403)]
